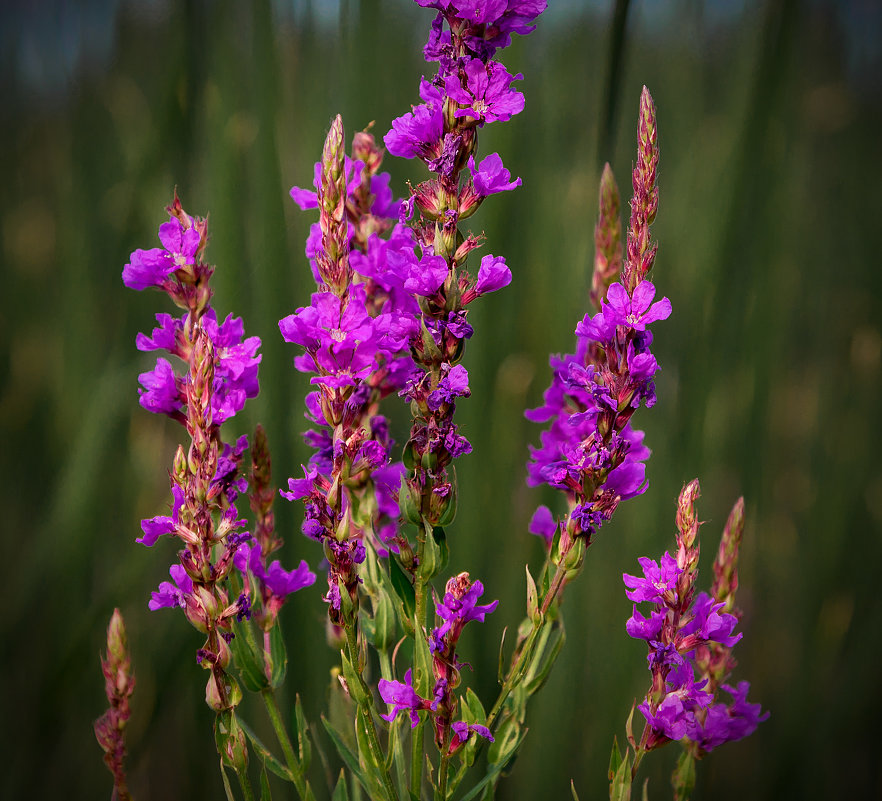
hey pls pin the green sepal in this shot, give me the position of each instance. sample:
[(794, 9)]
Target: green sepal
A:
[(550, 652), (265, 792), (266, 755), (304, 747), (422, 662), (449, 513), (409, 502), (431, 558), (230, 740), (683, 777), (248, 661), (350, 759), (532, 599), (620, 786), (341, 791), (278, 657), (358, 690)]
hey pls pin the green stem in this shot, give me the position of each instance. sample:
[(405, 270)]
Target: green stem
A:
[(394, 737), (416, 743), (300, 781), (522, 665), (442, 778), (365, 710), (245, 784)]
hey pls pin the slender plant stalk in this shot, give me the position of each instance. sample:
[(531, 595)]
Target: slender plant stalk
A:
[(245, 784), (416, 752), (300, 781), (394, 737)]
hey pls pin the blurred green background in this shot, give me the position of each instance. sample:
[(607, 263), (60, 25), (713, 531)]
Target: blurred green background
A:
[(769, 120)]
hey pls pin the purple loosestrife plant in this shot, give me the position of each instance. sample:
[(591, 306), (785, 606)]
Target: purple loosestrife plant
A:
[(690, 638), (388, 321)]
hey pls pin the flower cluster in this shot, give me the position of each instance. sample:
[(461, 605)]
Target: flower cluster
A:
[(357, 356), (206, 478), (590, 451), (689, 638), (470, 90), (458, 607)]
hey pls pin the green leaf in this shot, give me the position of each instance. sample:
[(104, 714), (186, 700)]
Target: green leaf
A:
[(266, 755), (248, 661), (265, 792), (278, 656), (615, 759), (573, 790), (500, 674), (303, 745), (366, 756), (509, 737), (341, 791), (227, 789), (472, 712), (449, 513), (551, 651), (620, 787), (422, 662), (683, 777), (402, 586), (493, 775), (357, 688), (346, 754)]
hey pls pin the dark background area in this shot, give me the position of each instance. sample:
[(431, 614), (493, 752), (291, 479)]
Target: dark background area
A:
[(769, 119)]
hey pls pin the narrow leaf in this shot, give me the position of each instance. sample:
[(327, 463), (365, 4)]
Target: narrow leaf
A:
[(265, 754), (346, 754), (227, 789), (303, 744), (341, 791), (279, 656), (573, 790), (265, 792)]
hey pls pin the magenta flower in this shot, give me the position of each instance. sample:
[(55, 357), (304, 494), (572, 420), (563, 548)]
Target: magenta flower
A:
[(487, 95), (490, 176), (152, 267), (636, 311), (171, 595), (493, 274), (404, 698)]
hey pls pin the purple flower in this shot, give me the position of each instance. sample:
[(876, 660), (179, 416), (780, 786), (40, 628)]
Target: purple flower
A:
[(491, 176), (643, 628), (170, 595), (155, 527), (543, 524), (417, 134), (659, 582), (152, 267), (160, 392), (725, 724), (487, 95), (280, 582), (454, 384), (493, 274), (457, 607), (404, 698), (462, 731), (636, 311)]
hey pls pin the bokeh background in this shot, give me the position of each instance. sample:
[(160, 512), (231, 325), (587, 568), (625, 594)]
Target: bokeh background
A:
[(769, 119)]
